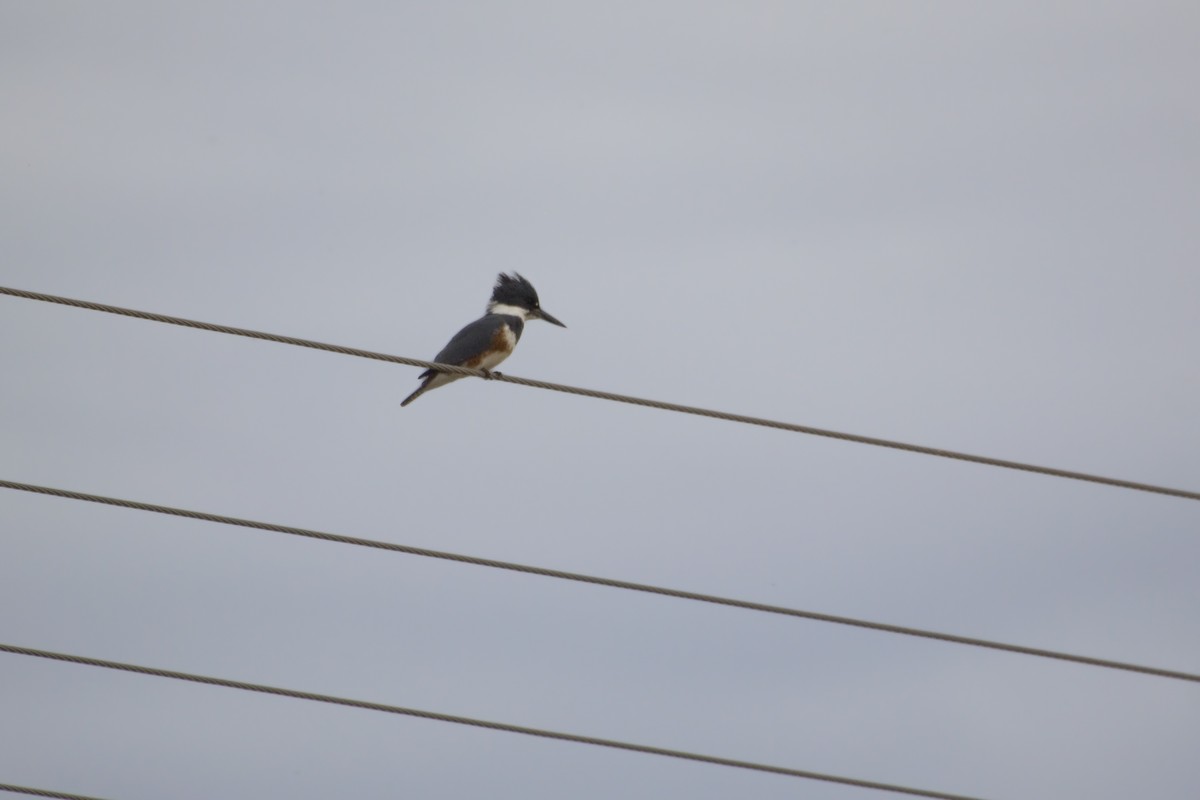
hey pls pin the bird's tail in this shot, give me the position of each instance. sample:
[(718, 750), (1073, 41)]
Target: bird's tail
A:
[(426, 378), (420, 391)]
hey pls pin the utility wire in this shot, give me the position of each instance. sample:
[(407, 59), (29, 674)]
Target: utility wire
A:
[(8, 787), (619, 398), (479, 723), (599, 581)]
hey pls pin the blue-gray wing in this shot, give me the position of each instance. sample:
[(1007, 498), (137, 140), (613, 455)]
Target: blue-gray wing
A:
[(475, 339)]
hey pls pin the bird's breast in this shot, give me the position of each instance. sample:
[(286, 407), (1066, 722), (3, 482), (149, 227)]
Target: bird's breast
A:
[(500, 348)]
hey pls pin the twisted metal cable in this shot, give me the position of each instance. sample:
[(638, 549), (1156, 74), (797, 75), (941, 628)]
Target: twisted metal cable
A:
[(8, 787), (599, 581), (617, 398), (479, 723)]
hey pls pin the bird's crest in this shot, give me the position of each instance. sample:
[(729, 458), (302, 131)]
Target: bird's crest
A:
[(514, 290)]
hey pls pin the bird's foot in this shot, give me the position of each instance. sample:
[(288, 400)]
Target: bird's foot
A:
[(490, 374)]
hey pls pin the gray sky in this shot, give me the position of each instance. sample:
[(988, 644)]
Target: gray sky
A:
[(968, 227)]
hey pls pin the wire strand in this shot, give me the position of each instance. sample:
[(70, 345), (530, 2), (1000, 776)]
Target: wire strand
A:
[(599, 581), (618, 398), (479, 723), (8, 787)]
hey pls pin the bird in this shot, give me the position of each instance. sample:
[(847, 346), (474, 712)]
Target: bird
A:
[(490, 339)]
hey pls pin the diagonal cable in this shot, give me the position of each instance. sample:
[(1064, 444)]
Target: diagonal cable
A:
[(599, 581), (9, 787), (479, 723), (618, 398)]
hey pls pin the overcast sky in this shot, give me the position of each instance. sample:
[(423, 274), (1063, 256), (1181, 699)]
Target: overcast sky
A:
[(966, 226)]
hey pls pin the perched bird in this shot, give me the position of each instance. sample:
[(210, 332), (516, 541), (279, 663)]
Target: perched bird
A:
[(490, 339)]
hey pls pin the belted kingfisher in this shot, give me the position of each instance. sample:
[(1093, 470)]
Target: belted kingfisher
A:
[(490, 339)]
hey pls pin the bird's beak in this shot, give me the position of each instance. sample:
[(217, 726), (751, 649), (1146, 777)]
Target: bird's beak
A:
[(539, 314)]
